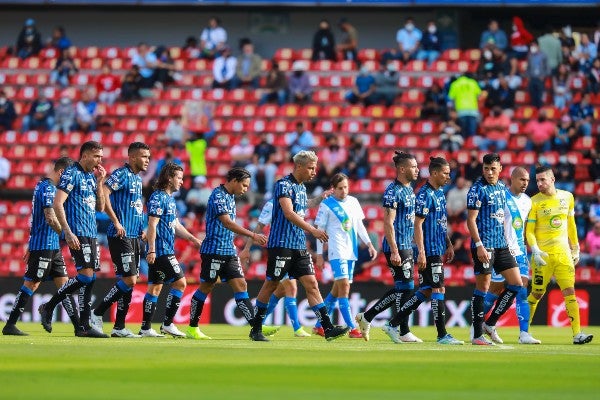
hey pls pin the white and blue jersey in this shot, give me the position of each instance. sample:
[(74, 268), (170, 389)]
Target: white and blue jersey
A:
[(162, 205), (219, 239), (126, 201), (401, 198), (266, 214), (80, 206), (490, 201), (285, 234), (42, 236), (431, 205)]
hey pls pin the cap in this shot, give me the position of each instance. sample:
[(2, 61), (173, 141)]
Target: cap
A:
[(200, 179), (30, 22)]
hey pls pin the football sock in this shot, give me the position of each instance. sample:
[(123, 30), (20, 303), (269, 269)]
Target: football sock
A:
[(122, 310), (438, 308), (20, 301), (149, 308), (196, 306), (407, 308), (488, 302), (533, 302), (404, 297), (273, 301), (242, 300), (71, 286), (292, 310), (85, 304), (67, 304), (346, 312), (522, 309), (573, 312), (114, 294), (477, 312), (259, 315), (330, 302), (503, 304), (321, 313), (388, 300), (173, 302)]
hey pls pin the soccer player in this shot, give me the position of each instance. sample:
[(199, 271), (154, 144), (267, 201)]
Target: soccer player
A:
[(433, 245), (287, 245), (163, 225), (399, 227), (518, 205), (552, 235), (219, 258), (486, 202), (125, 209), (341, 216), (287, 287), (80, 195), (43, 257)]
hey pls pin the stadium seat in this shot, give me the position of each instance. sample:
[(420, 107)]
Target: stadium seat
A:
[(310, 111), (352, 111), (303, 54), (256, 125), (451, 55), (285, 53), (376, 127), (351, 127), (278, 126), (403, 126), (368, 55), (325, 126), (375, 111), (396, 112), (586, 189), (267, 111), (416, 66), (289, 110)]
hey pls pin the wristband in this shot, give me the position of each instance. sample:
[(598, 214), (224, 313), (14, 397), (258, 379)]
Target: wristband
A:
[(151, 252), (478, 244)]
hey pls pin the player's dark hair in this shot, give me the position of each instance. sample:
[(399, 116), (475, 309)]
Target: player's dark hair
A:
[(237, 174), (62, 163), (400, 158), (337, 178), (135, 146), (437, 163), (90, 145), (167, 172), (491, 158), (543, 168)]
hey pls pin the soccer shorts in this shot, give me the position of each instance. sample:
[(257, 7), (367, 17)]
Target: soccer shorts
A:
[(87, 254), (125, 255), (405, 271), (523, 265), (166, 269), (432, 277), (342, 269), (500, 260), (45, 265), (215, 266), (296, 263), (558, 265)]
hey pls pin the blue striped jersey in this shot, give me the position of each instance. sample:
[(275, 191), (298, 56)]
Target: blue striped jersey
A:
[(490, 200), (284, 233), (219, 240), (431, 205), (401, 198), (42, 237), (162, 205), (126, 201), (80, 206)]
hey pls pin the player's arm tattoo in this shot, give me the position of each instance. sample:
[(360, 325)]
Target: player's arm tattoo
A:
[(100, 197), (52, 220), (59, 210)]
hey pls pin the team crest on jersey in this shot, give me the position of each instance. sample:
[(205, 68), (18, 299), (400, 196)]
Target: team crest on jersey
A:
[(114, 186), (159, 211), (70, 187)]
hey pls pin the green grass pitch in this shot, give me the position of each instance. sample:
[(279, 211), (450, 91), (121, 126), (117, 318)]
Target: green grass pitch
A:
[(61, 366)]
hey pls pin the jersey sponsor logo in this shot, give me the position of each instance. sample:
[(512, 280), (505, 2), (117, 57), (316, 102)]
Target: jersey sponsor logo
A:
[(498, 215), (138, 206), (556, 222), (517, 223), (90, 201)]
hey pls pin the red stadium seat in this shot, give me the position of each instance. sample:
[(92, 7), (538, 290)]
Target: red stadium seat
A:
[(326, 126), (377, 127), (403, 126), (109, 53), (267, 111), (586, 189), (303, 54), (351, 111), (375, 111), (310, 111), (285, 53), (352, 127)]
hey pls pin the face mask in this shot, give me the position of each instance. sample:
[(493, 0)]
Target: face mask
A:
[(2, 101), (562, 159), (244, 142), (533, 49), (409, 27), (65, 101), (432, 29), (364, 71), (391, 67), (514, 28), (487, 55)]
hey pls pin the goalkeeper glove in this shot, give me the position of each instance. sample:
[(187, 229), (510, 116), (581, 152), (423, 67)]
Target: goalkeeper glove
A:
[(575, 254), (538, 255)]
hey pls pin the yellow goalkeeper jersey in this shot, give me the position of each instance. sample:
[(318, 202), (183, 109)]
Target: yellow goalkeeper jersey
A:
[(549, 215)]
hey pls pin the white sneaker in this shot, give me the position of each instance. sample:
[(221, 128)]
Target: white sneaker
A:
[(526, 338), (124, 333), (96, 322), (150, 333), (363, 325), (491, 332), (392, 332), (410, 338), (582, 338), (172, 330)]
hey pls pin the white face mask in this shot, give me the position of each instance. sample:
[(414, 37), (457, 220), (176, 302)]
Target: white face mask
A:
[(533, 49), (409, 26), (487, 55), (2, 101), (432, 29), (364, 71)]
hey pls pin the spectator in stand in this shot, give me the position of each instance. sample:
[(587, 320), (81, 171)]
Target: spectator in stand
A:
[(300, 139), (585, 53), (520, 39), (495, 133), (29, 41), (489, 65), (130, 87), (582, 209), (567, 43), (224, 68), (561, 86), (197, 197), (191, 49), (549, 44), (501, 94), (565, 174), (357, 166), (147, 62), (540, 133), (431, 44), (594, 167), (299, 88), (107, 85), (333, 158), (41, 114), (594, 214), (242, 153), (349, 43), (213, 39), (409, 40), (64, 69), (456, 200), (4, 170), (537, 72), (472, 171), (364, 88), (323, 44), (168, 157), (507, 67), (175, 134), (596, 35), (59, 40), (565, 135), (65, 115), (387, 84), (494, 36), (86, 112), (582, 114), (248, 67), (275, 86), (166, 72), (435, 102), (593, 77), (450, 138), (591, 254), (464, 92), (263, 164), (8, 113)]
